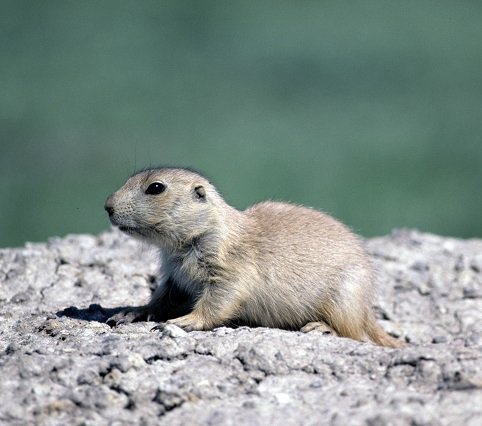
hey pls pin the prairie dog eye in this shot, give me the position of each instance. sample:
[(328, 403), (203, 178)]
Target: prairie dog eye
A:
[(155, 188)]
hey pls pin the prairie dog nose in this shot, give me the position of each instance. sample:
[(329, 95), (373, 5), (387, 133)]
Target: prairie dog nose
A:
[(108, 206)]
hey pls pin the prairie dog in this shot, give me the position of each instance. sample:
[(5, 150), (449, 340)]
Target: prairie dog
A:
[(272, 265)]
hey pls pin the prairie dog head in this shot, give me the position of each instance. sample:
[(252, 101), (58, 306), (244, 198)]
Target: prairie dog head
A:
[(168, 207)]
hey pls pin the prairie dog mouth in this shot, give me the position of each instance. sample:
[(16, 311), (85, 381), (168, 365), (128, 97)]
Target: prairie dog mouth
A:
[(128, 229), (131, 230), (124, 228)]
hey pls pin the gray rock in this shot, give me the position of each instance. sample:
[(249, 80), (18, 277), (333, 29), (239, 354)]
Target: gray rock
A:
[(60, 363)]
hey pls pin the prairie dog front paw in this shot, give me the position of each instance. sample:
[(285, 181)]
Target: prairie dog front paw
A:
[(129, 315), (188, 322)]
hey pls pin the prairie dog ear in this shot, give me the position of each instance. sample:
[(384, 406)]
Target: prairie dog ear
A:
[(200, 192)]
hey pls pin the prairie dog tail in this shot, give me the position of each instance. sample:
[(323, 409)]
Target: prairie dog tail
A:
[(379, 336)]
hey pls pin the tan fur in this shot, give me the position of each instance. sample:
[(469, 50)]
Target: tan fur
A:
[(273, 265)]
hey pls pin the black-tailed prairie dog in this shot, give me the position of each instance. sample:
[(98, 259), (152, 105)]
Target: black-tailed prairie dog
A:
[(272, 265)]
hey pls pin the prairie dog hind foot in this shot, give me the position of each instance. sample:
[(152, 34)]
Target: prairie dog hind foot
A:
[(318, 326)]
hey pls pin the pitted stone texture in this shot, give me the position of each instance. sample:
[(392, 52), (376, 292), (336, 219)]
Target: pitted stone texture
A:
[(60, 363)]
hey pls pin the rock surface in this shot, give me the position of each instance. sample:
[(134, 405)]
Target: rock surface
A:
[(60, 363)]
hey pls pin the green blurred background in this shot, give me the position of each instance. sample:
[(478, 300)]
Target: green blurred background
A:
[(369, 110)]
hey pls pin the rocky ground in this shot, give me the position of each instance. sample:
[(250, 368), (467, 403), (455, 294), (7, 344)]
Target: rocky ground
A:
[(60, 363)]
